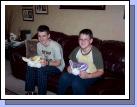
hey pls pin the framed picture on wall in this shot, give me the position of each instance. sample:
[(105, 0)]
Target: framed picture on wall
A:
[(25, 6), (41, 9), (84, 7), (27, 15)]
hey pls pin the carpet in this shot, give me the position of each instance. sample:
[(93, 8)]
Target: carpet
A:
[(9, 92), (18, 88)]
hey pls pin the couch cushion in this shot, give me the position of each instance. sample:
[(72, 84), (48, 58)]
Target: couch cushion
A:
[(31, 47)]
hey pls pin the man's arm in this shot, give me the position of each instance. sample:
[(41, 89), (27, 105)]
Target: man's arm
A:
[(96, 74), (51, 63), (55, 63)]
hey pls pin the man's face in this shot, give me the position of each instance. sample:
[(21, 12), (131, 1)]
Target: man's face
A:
[(84, 41), (43, 37)]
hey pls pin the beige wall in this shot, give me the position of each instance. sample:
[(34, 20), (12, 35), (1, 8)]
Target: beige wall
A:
[(105, 24)]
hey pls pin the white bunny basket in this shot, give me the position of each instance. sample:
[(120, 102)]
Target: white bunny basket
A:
[(33, 63), (77, 67)]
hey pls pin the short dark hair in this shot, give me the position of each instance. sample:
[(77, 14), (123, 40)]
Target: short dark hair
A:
[(43, 28), (87, 32)]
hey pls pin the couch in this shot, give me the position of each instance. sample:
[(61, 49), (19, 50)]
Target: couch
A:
[(113, 52)]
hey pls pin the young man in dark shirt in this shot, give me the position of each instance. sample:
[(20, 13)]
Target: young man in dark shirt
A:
[(88, 54)]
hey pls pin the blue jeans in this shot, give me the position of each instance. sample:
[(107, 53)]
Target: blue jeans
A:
[(79, 86), (38, 76)]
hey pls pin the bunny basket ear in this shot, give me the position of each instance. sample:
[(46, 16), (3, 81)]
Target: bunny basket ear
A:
[(83, 67), (71, 63), (25, 59)]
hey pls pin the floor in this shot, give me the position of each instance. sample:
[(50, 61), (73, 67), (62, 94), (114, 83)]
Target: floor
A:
[(13, 84)]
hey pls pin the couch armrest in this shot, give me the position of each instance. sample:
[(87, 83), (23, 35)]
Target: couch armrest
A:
[(113, 53), (18, 66), (21, 49)]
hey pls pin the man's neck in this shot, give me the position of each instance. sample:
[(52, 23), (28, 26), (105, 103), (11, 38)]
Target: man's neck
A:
[(87, 49), (47, 43)]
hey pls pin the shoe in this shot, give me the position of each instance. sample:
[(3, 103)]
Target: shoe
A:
[(31, 93)]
